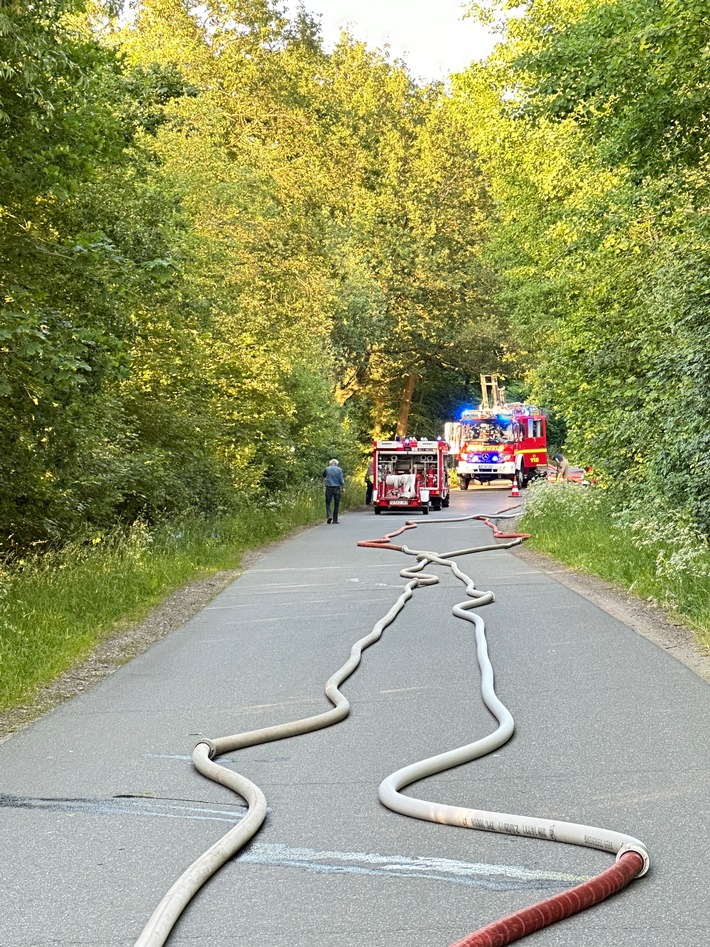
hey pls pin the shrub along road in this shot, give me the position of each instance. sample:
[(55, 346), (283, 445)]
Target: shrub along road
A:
[(101, 809)]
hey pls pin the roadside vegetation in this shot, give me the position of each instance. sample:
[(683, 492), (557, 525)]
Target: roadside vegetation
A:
[(590, 120), (54, 608), (660, 559)]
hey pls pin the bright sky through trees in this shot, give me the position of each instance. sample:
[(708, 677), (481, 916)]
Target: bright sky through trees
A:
[(432, 37)]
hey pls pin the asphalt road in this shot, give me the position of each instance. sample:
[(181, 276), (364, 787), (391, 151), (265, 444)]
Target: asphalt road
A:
[(100, 808)]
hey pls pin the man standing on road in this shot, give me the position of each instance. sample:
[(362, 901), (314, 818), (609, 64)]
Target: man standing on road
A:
[(334, 484)]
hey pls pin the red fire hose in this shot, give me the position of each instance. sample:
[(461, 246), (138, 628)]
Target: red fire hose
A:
[(544, 913), (384, 542)]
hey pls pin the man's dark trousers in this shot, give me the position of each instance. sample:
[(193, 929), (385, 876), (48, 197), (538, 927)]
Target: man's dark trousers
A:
[(332, 495)]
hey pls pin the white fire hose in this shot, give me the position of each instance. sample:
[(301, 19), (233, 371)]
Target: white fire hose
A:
[(163, 919)]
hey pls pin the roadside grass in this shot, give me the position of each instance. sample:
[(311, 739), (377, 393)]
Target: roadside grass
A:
[(649, 555), (54, 609)]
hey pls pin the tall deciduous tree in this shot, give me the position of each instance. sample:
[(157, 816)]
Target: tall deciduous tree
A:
[(227, 255), (63, 320), (592, 119)]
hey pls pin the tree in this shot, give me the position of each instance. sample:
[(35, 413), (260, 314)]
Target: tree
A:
[(590, 118)]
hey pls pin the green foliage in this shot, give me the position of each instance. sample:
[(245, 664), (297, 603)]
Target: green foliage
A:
[(590, 119), (224, 251), (634, 73), (54, 609), (658, 556)]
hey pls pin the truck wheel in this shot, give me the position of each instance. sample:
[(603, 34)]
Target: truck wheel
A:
[(445, 501), (378, 510), (425, 510), (436, 503), (463, 483), (521, 478)]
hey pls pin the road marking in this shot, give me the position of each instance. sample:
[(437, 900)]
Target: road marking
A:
[(166, 756), (125, 805), (404, 690), (379, 565), (249, 708), (312, 601), (223, 608), (471, 874)]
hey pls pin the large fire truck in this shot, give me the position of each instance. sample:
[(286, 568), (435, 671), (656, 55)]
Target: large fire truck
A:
[(410, 474), (499, 440)]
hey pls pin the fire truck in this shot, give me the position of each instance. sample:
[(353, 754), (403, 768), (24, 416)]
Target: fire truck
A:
[(499, 440), (410, 474)]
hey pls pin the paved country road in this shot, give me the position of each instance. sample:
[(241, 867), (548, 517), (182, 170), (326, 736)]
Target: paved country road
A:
[(100, 808)]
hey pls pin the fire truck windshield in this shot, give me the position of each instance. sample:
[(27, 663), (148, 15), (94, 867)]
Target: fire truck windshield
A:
[(489, 432)]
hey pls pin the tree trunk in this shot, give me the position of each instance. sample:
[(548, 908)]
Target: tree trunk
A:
[(346, 389), (406, 404), (377, 414)]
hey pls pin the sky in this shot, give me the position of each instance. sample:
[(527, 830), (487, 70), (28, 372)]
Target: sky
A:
[(429, 35)]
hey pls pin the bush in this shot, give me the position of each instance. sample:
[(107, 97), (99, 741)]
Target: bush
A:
[(657, 555)]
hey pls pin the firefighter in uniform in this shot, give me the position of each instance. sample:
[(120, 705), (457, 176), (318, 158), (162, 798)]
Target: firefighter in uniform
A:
[(562, 465)]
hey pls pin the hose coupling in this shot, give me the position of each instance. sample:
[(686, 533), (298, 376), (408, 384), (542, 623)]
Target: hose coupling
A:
[(211, 749), (640, 850)]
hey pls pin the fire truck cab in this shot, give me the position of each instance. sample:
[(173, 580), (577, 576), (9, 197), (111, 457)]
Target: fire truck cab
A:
[(499, 440), (409, 474)]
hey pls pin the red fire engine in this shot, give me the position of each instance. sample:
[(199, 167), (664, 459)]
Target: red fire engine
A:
[(499, 440), (410, 475)]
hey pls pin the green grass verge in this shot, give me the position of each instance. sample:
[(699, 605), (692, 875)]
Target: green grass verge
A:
[(647, 555), (53, 610)]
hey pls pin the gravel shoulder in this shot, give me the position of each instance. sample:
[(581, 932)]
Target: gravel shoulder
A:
[(120, 647), (645, 619)]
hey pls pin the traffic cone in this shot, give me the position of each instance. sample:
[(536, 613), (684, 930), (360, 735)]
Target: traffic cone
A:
[(515, 492)]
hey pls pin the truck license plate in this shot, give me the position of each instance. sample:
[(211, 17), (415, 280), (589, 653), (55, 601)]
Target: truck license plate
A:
[(399, 502)]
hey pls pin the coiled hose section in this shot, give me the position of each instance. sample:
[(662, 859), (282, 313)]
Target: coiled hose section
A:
[(632, 856)]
